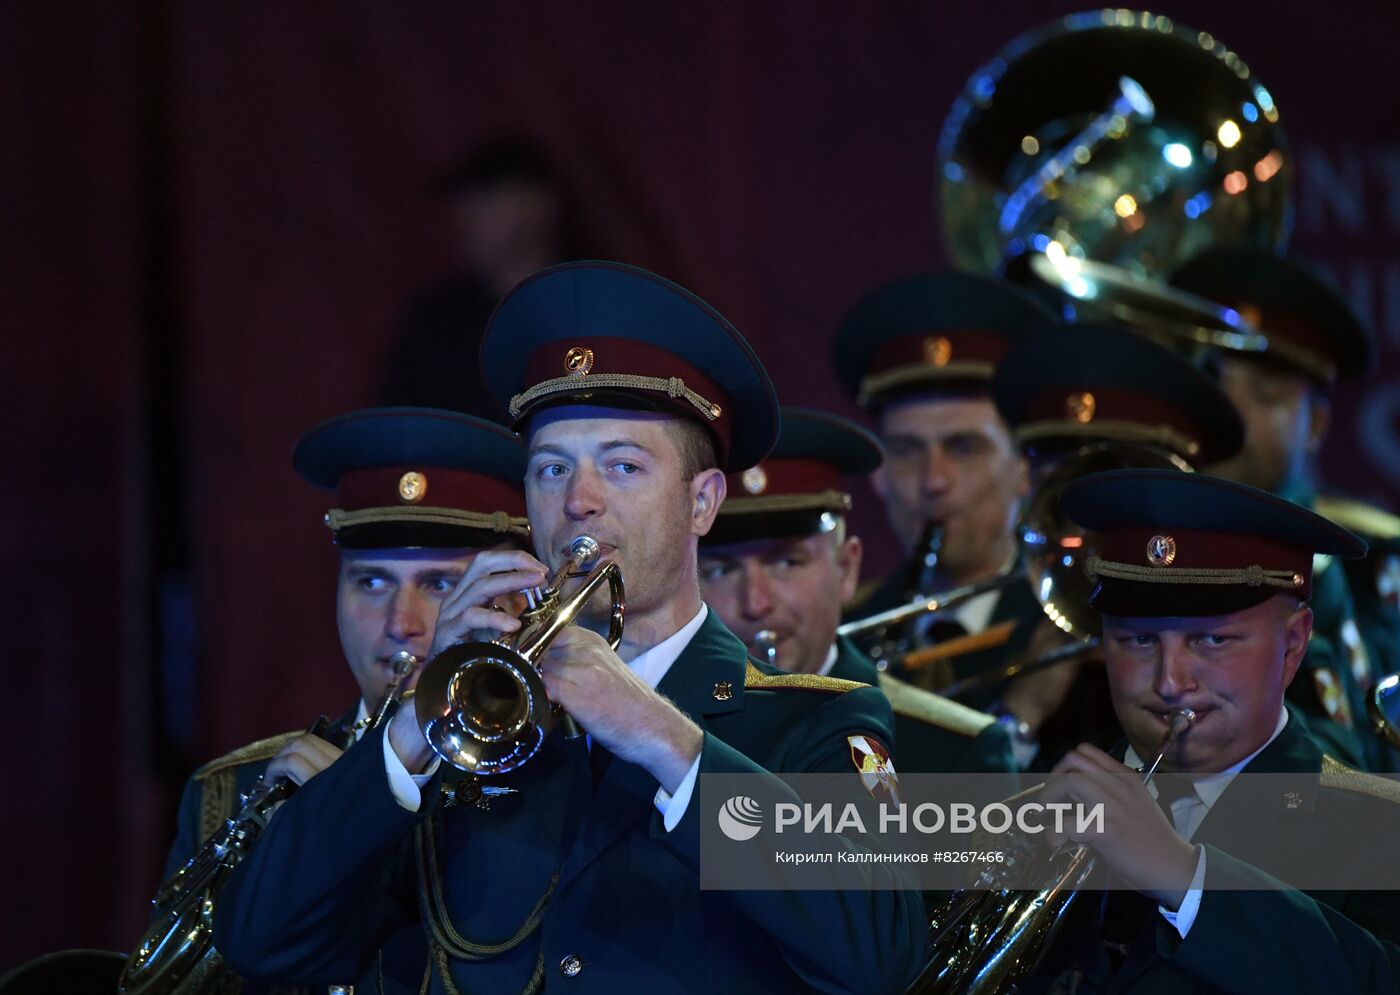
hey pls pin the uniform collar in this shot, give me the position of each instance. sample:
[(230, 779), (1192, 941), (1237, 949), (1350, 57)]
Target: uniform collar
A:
[(652, 665)]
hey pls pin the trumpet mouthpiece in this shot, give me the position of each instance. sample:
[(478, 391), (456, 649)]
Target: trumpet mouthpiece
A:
[(403, 663), (1181, 721), (584, 550)]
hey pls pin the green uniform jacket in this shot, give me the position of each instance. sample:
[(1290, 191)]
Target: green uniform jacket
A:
[(336, 869), (931, 734), (211, 796), (1271, 938), (1328, 686)]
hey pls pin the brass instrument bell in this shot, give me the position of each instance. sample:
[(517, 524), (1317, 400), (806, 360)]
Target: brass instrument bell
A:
[(482, 706)]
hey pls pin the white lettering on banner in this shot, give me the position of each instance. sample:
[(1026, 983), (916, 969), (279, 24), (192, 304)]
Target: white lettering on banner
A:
[(786, 814)]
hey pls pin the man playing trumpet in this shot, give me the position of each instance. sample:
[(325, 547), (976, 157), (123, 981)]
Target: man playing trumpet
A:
[(1204, 585), (635, 397)]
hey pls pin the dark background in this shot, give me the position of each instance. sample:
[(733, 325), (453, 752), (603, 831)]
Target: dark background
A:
[(212, 213)]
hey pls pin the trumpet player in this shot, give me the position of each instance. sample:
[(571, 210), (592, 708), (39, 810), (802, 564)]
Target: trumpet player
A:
[(635, 397), (1203, 585), (778, 560), (418, 493), (1093, 397)]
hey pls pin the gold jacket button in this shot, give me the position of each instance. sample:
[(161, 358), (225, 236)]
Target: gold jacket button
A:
[(570, 966)]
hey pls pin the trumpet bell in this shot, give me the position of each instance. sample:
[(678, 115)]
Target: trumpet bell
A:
[(483, 708)]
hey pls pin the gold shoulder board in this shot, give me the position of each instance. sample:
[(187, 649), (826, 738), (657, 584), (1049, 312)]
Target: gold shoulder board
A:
[(263, 749), (933, 709), (1339, 776), (755, 678), (1365, 519)]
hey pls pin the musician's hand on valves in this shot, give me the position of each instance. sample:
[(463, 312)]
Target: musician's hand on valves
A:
[(616, 707), (1137, 842), (487, 599), (302, 759)]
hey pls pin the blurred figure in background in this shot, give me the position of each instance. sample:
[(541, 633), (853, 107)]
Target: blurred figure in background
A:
[(512, 214)]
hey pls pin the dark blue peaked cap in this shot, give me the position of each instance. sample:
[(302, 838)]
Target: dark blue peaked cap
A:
[(612, 335), (1170, 543), (931, 334), (799, 487), (410, 477), (1068, 385)]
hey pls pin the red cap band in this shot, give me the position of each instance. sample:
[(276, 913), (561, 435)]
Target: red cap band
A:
[(428, 487)]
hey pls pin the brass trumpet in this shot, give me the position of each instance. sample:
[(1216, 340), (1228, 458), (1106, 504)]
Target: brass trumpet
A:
[(176, 956), (765, 646), (482, 706), (987, 938)]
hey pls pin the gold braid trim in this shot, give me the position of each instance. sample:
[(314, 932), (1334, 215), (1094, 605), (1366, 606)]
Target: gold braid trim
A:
[(216, 795), (263, 749), (755, 678), (443, 938), (933, 709), (825, 501), (1336, 774), (1251, 576), (497, 521), (913, 373), (671, 387), (1112, 429), (218, 785)]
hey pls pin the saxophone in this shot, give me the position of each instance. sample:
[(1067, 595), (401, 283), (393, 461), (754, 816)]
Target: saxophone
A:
[(176, 955)]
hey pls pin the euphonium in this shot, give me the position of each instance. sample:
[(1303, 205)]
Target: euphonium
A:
[(482, 706), (176, 956), (987, 938)]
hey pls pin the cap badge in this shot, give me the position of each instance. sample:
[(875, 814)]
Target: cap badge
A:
[(723, 691), (412, 487), (1251, 314), (1161, 551), (1293, 799), (755, 480), (1081, 407), (938, 351), (578, 361)]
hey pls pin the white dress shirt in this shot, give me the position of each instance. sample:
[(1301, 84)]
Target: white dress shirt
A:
[(651, 666), (1188, 812)]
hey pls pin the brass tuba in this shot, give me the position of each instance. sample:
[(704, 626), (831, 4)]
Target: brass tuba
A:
[(482, 706), (176, 955)]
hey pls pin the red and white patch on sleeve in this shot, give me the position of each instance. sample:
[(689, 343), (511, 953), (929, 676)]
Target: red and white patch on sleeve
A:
[(1333, 696), (876, 769)]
